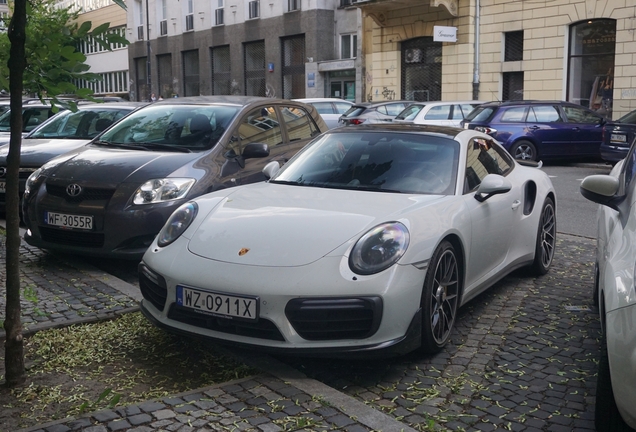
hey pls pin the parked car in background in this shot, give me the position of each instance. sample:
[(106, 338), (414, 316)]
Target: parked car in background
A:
[(373, 112), (59, 134), (112, 196), (367, 241), (33, 115), (534, 130), (618, 136), (330, 109), (614, 293), (437, 113)]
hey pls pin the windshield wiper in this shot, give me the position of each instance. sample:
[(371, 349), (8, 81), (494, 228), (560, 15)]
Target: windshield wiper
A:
[(167, 147), (286, 182), (119, 145)]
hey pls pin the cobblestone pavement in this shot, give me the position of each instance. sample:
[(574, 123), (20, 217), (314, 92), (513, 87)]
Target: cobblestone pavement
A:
[(523, 358)]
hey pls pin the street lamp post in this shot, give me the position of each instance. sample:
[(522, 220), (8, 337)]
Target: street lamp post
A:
[(149, 79)]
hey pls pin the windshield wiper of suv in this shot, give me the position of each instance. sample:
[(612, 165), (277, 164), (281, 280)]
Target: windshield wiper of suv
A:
[(143, 146)]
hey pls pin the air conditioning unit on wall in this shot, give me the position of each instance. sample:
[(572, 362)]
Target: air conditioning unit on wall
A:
[(413, 55)]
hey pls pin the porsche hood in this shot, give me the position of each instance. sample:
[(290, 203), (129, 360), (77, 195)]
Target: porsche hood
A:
[(285, 226)]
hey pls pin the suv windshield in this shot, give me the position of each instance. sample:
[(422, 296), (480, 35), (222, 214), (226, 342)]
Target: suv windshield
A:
[(183, 127)]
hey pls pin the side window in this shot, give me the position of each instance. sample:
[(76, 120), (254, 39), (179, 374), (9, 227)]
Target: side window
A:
[(298, 123), (395, 109), (32, 117), (323, 107), (441, 112), (580, 115), (465, 110), (484, 158), (382, 110), (516, 115), (262, 126), (544, 114), (342, 108)]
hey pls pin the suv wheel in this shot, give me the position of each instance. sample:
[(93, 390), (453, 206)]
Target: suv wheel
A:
[(524, 150)]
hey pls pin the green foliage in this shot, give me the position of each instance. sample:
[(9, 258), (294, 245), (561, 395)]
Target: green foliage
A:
[(53, 61)]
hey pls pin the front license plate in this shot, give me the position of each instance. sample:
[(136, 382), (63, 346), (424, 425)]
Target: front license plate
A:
[(619, 138), (68, 221), (218, 304)]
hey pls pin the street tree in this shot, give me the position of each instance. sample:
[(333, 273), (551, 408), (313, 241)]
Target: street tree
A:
[(41, 42)]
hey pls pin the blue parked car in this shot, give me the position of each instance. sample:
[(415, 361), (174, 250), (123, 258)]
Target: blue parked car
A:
[(618, 135), (537, 130)]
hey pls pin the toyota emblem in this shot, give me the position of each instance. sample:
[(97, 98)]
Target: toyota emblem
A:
[(73, 190)]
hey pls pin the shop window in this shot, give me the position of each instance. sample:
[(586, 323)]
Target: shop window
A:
[(254, 60), (221, 71), (191, 73), (293, 69), (591, 64)]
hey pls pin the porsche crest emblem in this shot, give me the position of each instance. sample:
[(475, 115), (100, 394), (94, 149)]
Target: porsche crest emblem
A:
[(243, 251)]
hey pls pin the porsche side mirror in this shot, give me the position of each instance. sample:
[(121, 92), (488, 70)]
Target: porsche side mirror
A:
[(602, 189), (492, 184), (271, 169)]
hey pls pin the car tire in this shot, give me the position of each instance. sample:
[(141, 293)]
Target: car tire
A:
[(606, 415), (524, 150), (440, 298), (546, 239)]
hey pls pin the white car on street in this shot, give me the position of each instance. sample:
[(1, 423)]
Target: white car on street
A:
[(437, 113), (368, 240), (615, 293)]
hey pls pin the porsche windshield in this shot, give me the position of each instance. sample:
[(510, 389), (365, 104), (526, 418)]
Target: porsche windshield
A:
[(183, 127), (376, 161)]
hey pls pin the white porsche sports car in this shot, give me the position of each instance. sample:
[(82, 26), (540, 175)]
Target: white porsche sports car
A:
[(367, 241), (615, 293)]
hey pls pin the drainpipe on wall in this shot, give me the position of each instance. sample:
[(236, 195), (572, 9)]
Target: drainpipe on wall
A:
[(476, 66)]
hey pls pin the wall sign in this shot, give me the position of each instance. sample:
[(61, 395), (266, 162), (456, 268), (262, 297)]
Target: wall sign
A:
[(444, 34)]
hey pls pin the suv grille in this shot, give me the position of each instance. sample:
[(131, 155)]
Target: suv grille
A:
[(88, 194)]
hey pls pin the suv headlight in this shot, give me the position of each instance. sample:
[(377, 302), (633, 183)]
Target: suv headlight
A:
[(160, 190), (32, 181), (380, 248), (177, 223)]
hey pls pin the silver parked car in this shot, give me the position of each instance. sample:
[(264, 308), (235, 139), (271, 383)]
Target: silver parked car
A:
[(330, 109), (373, 112)]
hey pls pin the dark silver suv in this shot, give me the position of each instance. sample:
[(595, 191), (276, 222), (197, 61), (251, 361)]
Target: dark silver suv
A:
[(112, 196)]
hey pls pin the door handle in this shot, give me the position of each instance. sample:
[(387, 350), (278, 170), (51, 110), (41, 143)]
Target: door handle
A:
[(516, 204)]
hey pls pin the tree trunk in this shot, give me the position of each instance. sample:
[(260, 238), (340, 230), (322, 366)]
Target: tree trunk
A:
[(14, 347)]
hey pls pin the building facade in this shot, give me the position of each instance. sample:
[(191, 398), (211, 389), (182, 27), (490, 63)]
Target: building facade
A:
[(576, 50), (111, 65), (276, 48)]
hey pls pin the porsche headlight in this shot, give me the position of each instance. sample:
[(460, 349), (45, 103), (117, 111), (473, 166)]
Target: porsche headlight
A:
[(380, 248), (32, 181), (160, 190), (177, 223)]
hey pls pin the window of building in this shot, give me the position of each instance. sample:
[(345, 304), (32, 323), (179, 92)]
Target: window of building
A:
[(219, 18), (141, 79), (512, 86), (293, 5), (348, 46), (221, 70), (591, 64), (254, 61), (139, 19), (293, 69), (253, 9), (421, 70), (162, 16), (513, 46), (189, 16), (191, 73), (165, 76)]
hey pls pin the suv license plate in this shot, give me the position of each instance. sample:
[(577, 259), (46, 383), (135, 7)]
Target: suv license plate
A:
[(68, 221), (224, 305)]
